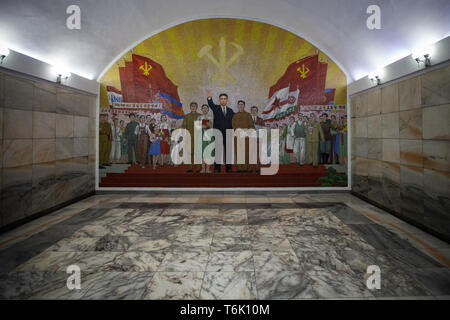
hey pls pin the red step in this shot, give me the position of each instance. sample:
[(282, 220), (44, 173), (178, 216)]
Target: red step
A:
[(169, 176)]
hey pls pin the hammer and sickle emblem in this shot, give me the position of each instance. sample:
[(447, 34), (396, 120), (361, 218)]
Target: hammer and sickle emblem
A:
[(303, 71), (222, 65), (146, 68)]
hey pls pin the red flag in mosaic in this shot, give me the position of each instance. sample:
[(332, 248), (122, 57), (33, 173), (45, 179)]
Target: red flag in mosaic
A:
[(150, 78), (308, 75), (127, 82)]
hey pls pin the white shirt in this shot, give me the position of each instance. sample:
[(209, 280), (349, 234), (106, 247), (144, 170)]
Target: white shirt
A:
[(291, 128), (164, 125), (117, 133)]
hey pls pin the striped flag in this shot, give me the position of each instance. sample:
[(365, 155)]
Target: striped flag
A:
[(282, 103)]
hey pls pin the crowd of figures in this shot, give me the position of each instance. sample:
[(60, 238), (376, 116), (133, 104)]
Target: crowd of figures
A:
[(143, 140), (306, 140), (147, 140)]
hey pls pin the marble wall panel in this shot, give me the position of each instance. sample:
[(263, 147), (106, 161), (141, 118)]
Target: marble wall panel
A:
[(391, 185), (437, 200), (361, 185), (2, 90), (92, 107), (43, 125), (353, 106), (435, 122), (81, 186), (19, 93), (17, 152), (64, 126), (1, 207), (436, 155), (43, 186), (80, 127), (67, 101), (83, 106), (1, 121), (43, 150), (374, 102), (361, 166), (410, 142), (390, 125), (17, 124), (375, 171), (64, 189), (374, 149), (64, 170), (37, 127), (391, 150), (412, 196), (435, 87), (80, 147), (411, 152), (361, 105), (92, 146), (389, 98), (359, 147), (409, 94), (410, 124), (374, 127), (63, 148), (80, 166), (360, 127), (92, 165), (16, 193), (92, 122), (44, 97)]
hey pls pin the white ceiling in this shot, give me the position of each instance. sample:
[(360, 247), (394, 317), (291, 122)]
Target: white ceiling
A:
[(111, 27)]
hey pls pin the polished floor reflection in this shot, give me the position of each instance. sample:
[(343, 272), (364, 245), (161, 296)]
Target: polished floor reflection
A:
[(222, 246)]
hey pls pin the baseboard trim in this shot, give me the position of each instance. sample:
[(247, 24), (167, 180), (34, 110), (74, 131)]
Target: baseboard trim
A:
[(42, 213), (229, 191), (419, 225)]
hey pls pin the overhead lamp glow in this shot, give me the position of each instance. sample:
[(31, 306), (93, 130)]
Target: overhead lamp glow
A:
[(60, 72), (423, 54), (4, 52)]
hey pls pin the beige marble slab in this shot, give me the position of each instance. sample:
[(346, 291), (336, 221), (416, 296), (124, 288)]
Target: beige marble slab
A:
[(43, 150), (44, 125), (17, 124)]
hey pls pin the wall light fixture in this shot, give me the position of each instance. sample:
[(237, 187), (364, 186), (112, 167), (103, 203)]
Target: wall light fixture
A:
[(4, 52), (423, 54), (375, 76), (60, 72)]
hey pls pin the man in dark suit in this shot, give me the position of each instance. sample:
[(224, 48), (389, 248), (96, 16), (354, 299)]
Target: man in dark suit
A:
[(223, 117)]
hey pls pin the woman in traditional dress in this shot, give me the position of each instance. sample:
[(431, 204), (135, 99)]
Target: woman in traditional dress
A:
[(116, 139), (334, 140), (290, 139), (207, 138), (155, 145), (165, 139), (143, 134), (123, 143), (343, 140), (284, 157)]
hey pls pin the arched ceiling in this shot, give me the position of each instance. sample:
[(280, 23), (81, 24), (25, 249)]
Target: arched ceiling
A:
[(110, 27)]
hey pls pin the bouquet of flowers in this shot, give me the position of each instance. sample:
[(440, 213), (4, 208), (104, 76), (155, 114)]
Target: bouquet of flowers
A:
[(162, 136)]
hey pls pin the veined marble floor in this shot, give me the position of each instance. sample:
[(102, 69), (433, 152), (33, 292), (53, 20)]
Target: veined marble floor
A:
[(222, 246)]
